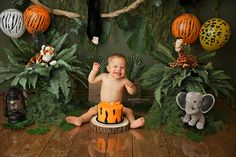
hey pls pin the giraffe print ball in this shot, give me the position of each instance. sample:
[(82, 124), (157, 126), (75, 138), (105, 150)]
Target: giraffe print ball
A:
[(214, 34)]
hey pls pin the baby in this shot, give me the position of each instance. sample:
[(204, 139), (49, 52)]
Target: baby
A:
[(112, 90)]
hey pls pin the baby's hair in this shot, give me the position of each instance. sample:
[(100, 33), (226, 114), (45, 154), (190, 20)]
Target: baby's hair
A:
[(119, 55)]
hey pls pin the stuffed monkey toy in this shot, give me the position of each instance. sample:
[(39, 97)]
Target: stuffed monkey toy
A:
[(94, 21)]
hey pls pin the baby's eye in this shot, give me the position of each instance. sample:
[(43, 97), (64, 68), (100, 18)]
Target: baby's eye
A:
[(122, 67), (115, 66)]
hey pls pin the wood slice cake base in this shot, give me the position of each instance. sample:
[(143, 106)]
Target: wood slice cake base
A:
[(109, 128)]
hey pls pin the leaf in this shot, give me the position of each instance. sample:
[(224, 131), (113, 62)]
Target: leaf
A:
[(61, 78), (66, 126), (18, 125), (43, 71), (65, 64), (78, 71), (6, 68), (222, 85), (67, 54), (57, 44), (166, 49), (65, 84), (202, 72), (32, 80), (135, 65), (21, 48), (54, 87), (164, 53), (179, 78), (7, 76), (158, 95), (220, 76), (23, 81), (12, 61), (194, 86), (124, 22), (152, 76), (38, 131), (136, 40), (206, 57), (15, 81)]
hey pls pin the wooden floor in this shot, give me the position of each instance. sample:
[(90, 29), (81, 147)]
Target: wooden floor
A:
[(83, 142)]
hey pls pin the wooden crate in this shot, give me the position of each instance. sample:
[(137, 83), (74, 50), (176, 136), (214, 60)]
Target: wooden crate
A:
[(94, 92)]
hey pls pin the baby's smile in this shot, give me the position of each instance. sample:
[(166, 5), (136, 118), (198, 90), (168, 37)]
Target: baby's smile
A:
[(117, 73)]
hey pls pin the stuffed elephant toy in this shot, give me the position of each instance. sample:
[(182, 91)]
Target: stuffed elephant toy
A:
[(195, 104)]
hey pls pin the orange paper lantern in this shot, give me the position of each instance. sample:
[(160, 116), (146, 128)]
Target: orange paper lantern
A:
[(36, 19), (187, 27)]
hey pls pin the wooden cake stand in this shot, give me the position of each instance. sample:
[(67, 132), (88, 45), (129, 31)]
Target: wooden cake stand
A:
[(109, 128)]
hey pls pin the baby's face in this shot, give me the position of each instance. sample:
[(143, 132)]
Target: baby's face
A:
[(116, 67)]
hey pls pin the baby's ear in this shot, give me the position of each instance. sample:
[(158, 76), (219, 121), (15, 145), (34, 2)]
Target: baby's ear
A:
[(108, 68)]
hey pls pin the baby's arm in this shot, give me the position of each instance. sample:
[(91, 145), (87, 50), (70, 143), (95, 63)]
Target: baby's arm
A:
[(130, 87), (92, 78)]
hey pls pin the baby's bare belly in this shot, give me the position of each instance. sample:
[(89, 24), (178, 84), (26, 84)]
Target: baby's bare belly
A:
[(111, 96)]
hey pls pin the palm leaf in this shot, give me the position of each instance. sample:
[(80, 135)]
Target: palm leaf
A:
[(123, 22), (135, 65)]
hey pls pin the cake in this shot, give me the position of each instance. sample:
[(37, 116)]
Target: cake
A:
[(110, 113)]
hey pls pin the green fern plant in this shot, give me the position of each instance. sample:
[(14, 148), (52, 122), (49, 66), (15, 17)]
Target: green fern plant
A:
[(52, 85), (99, 59), (167, 82)]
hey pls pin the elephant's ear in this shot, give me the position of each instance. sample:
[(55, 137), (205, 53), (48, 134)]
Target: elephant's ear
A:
[(180, 99), (207, 103)]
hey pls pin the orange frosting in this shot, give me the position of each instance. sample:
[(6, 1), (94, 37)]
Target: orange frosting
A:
[(110, 113)]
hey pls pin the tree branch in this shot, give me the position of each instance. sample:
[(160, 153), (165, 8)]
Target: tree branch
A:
[(69, 14)]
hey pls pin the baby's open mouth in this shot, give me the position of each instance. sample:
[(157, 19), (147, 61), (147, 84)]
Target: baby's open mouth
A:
[(118, 73)]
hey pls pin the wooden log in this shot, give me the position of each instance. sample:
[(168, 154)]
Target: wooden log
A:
[(109, 128)]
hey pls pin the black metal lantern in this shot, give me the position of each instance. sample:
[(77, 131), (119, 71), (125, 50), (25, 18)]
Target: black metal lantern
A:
[(14, 105)]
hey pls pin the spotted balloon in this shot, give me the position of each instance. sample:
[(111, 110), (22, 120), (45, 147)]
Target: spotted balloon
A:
[(214, 34), (12, 23)]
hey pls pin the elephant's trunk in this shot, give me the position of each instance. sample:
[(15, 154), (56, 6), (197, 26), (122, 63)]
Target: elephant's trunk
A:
[(190, 110)]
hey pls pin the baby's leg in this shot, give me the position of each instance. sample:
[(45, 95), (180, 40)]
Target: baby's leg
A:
[(137, 123), (86, 117), (134, 123)]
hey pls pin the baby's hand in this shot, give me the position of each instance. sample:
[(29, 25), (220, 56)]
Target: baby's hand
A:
[(128, 83), (96, 66)]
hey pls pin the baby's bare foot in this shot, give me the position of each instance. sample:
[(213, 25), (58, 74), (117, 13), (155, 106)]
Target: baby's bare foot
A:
[(137, 123), (74, 120)]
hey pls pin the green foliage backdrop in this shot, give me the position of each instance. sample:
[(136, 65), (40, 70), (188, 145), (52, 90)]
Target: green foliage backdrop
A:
[(146, 31)]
